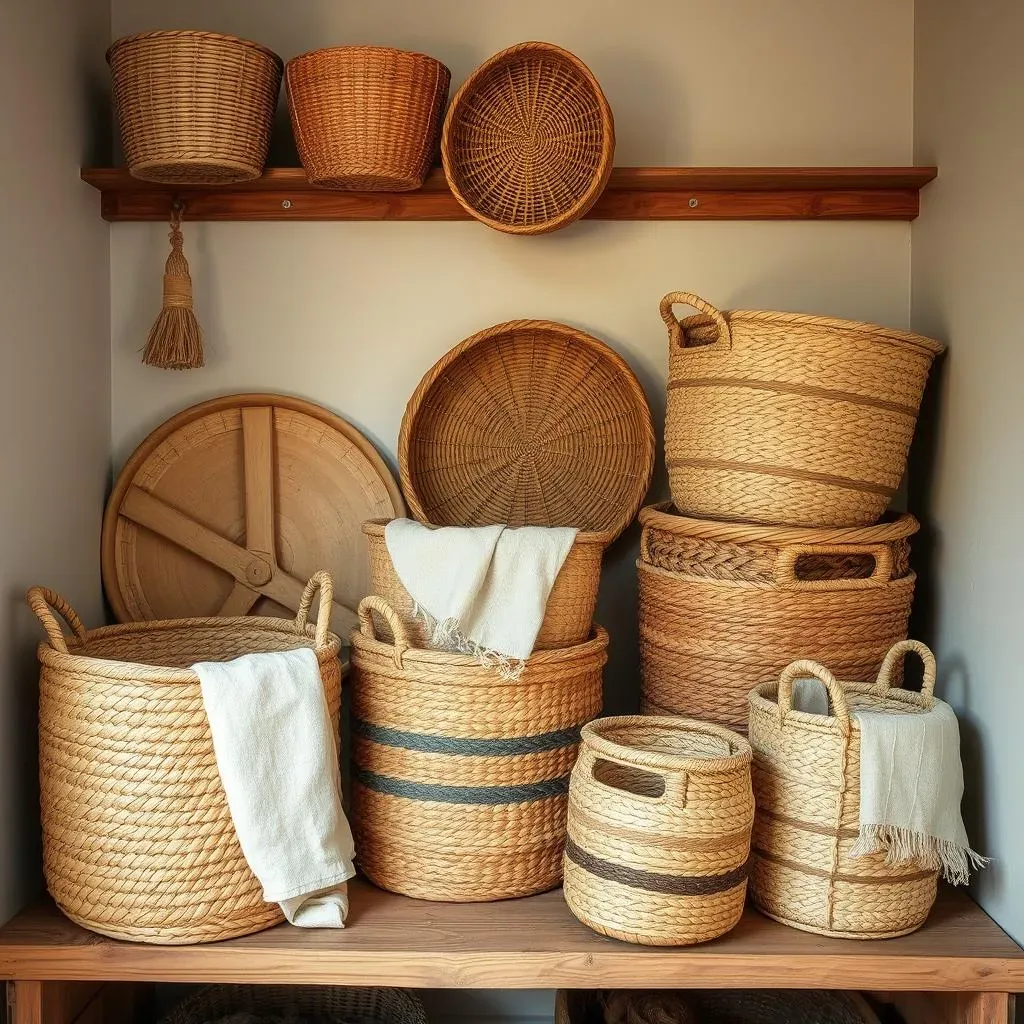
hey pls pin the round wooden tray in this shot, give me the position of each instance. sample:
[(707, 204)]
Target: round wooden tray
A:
[(229, 506)]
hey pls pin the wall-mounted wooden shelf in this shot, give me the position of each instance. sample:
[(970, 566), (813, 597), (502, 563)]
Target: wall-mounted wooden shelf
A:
[(634, 193)]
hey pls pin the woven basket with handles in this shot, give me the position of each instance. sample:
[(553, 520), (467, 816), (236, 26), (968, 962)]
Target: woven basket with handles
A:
[(138, 842), (782, 418), (660, 812), (807, 787), (461, 776)]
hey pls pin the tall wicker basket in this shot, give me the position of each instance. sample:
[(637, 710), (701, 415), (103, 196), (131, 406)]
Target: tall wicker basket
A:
[(138, 842), (461, 776)]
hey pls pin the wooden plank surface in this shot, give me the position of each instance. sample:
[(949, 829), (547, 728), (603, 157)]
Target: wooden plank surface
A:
[(954, 1007), (528, 943)]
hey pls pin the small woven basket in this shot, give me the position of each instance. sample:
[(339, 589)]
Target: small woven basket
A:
[(325, 1002), (529, 140), (781, 418), (138, 842), (660, 812), (461, 776), (568, 617), (194, 107), (366, 117), (807, 787)]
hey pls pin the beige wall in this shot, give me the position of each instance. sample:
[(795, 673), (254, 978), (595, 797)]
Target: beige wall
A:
[(967, 265), (55, 376)]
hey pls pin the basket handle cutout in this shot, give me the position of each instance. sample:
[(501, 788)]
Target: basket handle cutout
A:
[(324, 582), (896, 655), (787, 573), (642, 783), (398, 630), (675, 329), (812, 670), (44, 603)]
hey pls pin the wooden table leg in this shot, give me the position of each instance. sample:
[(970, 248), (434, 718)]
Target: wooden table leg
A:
[(953, 1007)]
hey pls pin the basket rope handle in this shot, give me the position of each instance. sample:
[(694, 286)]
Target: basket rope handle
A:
[(645, 545), (44, 603), (675, 781), (675, 330), (812, 670), (398, 631), (324, 582), (897, 653), (881, 574)]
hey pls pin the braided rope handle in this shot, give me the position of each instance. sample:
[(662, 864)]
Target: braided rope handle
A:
[(324, 582), (402, 643), (675, 329), (813, 670), (44, 603), (896, 654), (675, 782), (881, 574)]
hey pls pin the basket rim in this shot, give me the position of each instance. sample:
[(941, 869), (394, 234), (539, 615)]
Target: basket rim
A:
[(602, 349), (375, 528), (223, 37), (604, 169), (593, 736), (360, 48)]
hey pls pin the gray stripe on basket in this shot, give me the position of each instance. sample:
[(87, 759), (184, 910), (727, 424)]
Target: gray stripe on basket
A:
[(491, 747), (785, 473), (521, 794), (650, 881)]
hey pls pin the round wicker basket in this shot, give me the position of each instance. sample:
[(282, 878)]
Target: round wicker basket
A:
[(529, 140)]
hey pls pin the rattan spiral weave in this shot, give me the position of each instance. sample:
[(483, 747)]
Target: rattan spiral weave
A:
[(660, 813), (529, 140), (138, 842), (807, 787), (461, 776)]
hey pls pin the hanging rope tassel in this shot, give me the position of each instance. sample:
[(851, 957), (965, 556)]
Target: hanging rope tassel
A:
[(176, 339)]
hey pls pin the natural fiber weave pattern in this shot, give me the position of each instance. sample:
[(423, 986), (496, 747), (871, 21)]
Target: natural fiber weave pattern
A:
[(138, 842), (782, 418), (529, 140), (461, 776), (366, 117), (568, 616), (194, 107), (807, 788), (528, 423)]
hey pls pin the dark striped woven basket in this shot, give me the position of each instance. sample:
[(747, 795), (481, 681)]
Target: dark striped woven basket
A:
[(461, 777)]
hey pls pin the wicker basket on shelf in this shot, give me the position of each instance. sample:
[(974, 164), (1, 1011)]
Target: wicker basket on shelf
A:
[(138, 842), (366, 117), (460, 776), (194, 107), (807, 787), (529, 140), (782, 418)]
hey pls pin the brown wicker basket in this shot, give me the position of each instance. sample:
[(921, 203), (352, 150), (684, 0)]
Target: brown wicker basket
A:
[(568, 617), (807, 788), (138, 842), (460, 776), (781, 418), (660, 812), (528, 423), (366, 117), (194, 107), (529, 140)]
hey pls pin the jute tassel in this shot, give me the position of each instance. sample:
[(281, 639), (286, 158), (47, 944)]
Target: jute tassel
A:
[(176, 339)]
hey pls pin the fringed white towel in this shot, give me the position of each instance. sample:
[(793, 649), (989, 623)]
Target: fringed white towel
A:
[(482, 590), (275, 752)]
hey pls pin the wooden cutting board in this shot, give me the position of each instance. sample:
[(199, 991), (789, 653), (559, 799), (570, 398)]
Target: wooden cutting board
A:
[(231, 505)]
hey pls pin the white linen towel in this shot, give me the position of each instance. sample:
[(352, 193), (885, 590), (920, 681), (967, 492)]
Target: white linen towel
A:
[(277, 759), (482, 590), (911, 785)]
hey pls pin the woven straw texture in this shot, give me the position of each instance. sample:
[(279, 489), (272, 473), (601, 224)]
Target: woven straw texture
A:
[(529, 140), (528, 423), (325, 1002), (807, 788), (461, 776), (660, 813), (710, 634), (194, 107), (138, 841), (781, 418), (568, 616), (366, 117)]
